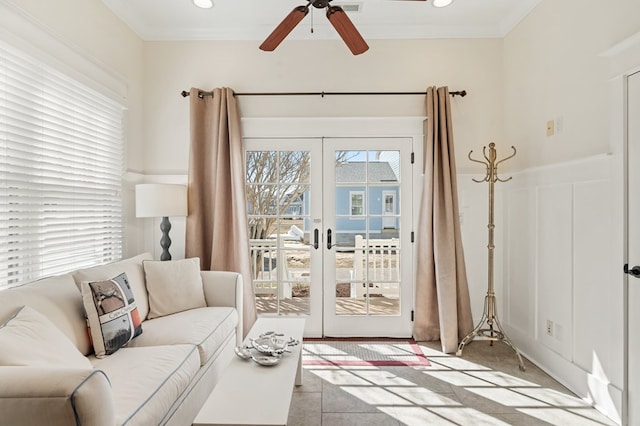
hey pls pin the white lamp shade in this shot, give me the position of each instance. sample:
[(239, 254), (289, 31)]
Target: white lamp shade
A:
[(160, 200)]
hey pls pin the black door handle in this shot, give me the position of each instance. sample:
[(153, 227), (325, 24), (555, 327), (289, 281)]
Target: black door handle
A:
[(316, 244), (329, 239), (635, 271)]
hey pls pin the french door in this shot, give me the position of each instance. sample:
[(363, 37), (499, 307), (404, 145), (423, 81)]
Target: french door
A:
[(330, 228), (367, 251)]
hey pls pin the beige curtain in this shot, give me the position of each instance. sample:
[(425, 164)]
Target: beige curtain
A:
[(217, 223), (443, 309)]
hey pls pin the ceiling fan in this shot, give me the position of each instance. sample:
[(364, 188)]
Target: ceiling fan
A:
[(336, 16)]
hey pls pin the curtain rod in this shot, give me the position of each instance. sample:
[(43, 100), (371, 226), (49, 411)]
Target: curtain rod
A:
[(202, 94)]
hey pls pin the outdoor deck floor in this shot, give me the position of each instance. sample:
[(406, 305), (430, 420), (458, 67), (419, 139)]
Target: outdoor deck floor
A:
[(344, 305)]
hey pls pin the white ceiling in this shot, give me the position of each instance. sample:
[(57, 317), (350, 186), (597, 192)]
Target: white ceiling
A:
[(377, 19)]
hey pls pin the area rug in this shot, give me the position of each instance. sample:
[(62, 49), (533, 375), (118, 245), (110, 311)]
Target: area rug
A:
[(358, 352)]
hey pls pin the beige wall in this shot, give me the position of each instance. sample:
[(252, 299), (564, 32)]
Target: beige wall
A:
[(401, 65), (553, 69)]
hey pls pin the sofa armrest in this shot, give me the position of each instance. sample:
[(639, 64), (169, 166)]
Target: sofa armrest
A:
[(55, 396), (223, 288)]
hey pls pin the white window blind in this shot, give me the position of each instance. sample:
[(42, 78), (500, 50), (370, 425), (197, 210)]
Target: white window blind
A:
[(61, 164)]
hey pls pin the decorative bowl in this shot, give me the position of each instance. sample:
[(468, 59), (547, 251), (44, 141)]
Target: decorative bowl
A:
[(265, 360), (242, 352)]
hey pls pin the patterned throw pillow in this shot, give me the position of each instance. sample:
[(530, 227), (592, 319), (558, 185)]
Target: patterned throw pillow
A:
[(112, 314)]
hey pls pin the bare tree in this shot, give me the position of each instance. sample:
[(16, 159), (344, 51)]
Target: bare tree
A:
[(275, 181)]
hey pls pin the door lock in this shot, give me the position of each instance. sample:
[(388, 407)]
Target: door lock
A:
[(635, 271)]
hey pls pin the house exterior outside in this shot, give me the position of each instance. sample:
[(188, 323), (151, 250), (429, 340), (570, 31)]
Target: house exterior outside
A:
[(372, 207)]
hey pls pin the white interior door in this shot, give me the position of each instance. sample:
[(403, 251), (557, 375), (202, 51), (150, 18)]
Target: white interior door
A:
[(367, 252), (633, 235)]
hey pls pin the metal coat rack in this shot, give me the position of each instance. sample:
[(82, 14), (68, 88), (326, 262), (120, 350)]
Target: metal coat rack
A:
[(489, 327)]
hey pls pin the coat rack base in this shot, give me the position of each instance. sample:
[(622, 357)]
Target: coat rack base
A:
[(489, 328)]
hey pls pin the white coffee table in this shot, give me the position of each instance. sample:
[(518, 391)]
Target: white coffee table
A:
[(250, 394)]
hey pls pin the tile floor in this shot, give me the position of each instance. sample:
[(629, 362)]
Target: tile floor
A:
[(483, 387)]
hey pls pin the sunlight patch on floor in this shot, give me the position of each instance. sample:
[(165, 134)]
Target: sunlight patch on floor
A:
[(559, 416), (457, 378), (499, 378), (412, 404), (376, 396), (507, 397), (422, 396)]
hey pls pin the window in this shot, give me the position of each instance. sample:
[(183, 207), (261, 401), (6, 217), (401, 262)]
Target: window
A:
[(61, 163), (356, 203)]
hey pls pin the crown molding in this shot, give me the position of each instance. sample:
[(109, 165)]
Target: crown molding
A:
[(517, 15)]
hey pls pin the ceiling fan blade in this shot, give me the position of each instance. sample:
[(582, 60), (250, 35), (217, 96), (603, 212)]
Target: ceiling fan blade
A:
[(285, 27), (347, 31)]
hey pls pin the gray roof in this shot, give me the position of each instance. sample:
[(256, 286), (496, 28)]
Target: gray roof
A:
[(354, 171)]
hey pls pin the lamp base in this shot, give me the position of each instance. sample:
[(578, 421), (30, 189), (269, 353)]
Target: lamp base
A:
[(165, 241)]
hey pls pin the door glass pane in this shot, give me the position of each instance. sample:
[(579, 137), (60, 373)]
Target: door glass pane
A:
[(278, 194), (367, 233), (351, 166)]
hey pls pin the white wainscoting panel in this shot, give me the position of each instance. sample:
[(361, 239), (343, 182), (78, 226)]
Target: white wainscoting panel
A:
[(592, 287), (554, 267), (520, 269), (562, 264)]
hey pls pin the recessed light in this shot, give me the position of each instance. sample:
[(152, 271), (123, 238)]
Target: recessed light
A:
[(442, 3), (204, 4)]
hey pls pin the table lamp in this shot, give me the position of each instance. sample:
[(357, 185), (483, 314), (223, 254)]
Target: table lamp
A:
[(161, 200)]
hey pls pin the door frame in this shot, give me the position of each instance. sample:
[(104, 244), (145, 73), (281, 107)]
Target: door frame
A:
[(629, 329), (623, 60), (341, 127)]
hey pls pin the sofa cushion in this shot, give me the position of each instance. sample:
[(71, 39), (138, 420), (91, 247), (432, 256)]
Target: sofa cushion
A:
[(112, 314), (146, 382), (58, 299), (173, 286), (29, 339), (132, 267), (207, 328)]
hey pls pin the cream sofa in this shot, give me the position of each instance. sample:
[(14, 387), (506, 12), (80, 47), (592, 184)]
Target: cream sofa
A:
[(163, 376)]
